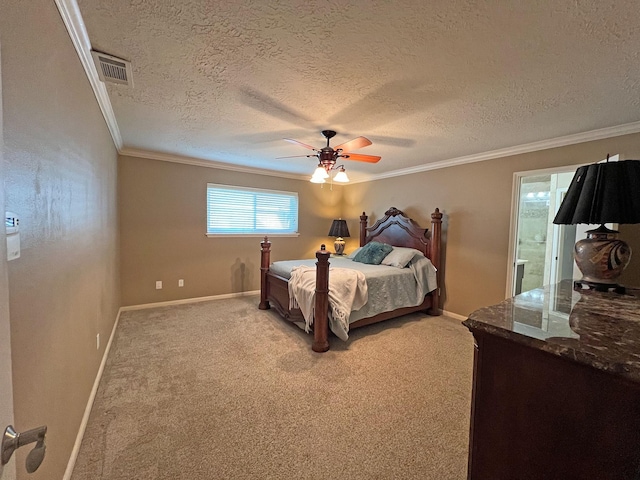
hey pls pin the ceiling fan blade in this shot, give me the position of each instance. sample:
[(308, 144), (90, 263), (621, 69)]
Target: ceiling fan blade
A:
[(358, 157), (298, 156), (300, 143), (354, 144)]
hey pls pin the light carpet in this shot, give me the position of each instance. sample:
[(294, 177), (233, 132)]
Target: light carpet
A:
[(222, 390)]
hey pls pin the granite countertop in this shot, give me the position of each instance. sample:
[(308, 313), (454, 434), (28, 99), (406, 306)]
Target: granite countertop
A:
[(598, 329)]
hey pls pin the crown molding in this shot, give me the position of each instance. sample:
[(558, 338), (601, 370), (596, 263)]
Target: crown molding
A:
[(198, 162), (70, 13), (609, 132)]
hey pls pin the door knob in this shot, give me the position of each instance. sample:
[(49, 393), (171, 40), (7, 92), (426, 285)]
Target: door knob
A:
[(12, 440)]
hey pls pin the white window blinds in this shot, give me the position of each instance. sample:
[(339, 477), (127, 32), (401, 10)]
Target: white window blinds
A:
[(245, 211)]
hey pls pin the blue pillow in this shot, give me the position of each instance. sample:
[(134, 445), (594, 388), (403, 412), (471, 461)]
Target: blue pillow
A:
[(373, 253)]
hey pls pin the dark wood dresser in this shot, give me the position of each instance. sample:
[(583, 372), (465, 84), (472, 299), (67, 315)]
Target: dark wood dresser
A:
[(556, 387)]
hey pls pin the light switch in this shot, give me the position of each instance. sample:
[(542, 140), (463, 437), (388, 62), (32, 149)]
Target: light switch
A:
[(12, 226)]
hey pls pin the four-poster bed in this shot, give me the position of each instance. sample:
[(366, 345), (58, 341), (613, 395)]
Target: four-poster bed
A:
[(395, 229)]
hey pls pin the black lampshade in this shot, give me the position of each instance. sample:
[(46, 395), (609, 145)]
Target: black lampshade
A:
[(601, 193), (339, 229)]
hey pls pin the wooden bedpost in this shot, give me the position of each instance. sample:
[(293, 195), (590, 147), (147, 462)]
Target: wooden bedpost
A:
[(265, 261), (436, 234), (321, 311), (363, 229)]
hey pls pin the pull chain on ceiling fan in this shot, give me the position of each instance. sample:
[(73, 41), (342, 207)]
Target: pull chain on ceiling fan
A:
[(328, 157)]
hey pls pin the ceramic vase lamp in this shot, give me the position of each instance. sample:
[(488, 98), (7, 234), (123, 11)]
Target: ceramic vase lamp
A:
[(605, 192), (339, 230)]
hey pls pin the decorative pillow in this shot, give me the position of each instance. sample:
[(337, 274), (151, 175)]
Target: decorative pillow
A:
[(400, 257), (354, 253), (373, 253)]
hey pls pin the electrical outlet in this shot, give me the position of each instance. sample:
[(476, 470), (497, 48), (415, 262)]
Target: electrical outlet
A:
[(98, 342), (159, 285), (181, 283)]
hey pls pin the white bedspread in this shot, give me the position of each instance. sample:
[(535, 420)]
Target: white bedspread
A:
[(347, 292)]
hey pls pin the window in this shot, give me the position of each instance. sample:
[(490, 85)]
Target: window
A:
[(247, 211)]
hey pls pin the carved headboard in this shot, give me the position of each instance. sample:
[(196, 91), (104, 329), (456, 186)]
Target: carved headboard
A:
[(396, 229)]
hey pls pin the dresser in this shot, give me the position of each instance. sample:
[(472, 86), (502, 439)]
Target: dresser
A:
[(556, 386)]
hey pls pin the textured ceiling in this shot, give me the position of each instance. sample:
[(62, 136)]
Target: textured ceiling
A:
[(426, 81)]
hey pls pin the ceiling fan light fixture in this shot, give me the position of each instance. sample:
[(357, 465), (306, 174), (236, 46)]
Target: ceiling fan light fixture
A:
[(329, 156), (341, 176)]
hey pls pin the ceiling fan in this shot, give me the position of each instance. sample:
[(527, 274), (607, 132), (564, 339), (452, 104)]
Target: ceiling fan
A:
[(328, 156)]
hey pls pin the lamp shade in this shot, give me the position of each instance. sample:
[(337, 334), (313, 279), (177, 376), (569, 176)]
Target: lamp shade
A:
[(602, 193), (315, 179), (339, 229), (341, 176), (320, 172)]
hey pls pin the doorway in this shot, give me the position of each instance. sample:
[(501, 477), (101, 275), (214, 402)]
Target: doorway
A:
[(543, 252), (540, 252), (534, 211)]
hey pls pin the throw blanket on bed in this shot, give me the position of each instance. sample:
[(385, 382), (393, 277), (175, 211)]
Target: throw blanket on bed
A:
[(347, 292)]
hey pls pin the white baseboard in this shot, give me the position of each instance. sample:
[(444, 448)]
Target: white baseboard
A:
[(87, 411), (189, 300), (454, 315)]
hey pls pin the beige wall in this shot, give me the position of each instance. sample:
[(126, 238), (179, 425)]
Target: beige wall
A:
[(631, 235), (163, 225), (61, 178), (162, 215), (476, 201)]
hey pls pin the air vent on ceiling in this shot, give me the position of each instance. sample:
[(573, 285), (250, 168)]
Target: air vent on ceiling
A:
[(112, 69)]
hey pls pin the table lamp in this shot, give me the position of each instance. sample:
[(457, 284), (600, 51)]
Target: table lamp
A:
[(339, 230), (606, 192)]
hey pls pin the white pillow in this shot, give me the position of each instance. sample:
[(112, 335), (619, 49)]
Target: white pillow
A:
[(400, 257), (354, 253)]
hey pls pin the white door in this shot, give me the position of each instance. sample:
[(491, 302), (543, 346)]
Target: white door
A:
[(532, 223), (562, 265), (541, 253), (6, 387)]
